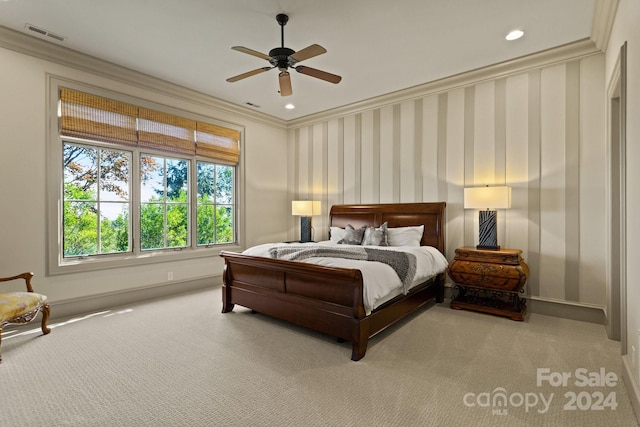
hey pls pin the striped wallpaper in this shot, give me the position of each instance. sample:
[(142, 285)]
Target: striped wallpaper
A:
[(540, 131)]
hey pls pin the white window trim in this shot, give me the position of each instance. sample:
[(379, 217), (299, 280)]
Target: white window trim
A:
[(56, 264)]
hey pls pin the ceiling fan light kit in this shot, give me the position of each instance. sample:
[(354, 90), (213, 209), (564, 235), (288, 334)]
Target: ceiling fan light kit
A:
[(284, 58)]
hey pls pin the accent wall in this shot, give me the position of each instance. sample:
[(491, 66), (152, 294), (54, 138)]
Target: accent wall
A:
[(539, 129)]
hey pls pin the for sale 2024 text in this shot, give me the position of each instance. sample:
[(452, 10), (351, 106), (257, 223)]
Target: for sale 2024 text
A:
[(582, 377)]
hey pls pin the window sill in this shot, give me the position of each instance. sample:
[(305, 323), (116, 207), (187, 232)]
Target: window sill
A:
[(103, 262)]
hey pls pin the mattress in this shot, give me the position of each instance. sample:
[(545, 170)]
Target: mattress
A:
[(381, 282)]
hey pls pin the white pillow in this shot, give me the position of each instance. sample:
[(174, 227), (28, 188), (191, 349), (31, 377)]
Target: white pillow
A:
[(336, 234), (405, 236)]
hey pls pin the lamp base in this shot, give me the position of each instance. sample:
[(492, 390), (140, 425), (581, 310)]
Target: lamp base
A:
[(488, 236), (305, 229), (488, 248)]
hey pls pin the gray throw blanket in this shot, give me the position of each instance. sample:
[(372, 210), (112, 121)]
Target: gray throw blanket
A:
[(403, 263)]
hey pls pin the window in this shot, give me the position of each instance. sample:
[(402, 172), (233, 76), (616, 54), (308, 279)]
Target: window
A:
[(164, 203), (215, 203), (96, 201), (138, 183)]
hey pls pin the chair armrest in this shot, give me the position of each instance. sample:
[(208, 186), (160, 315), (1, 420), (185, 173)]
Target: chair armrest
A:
[(26, 276)]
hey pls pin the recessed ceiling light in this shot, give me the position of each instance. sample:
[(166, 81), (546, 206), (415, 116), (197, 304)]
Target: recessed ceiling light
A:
[(289, 106), (514, 35)]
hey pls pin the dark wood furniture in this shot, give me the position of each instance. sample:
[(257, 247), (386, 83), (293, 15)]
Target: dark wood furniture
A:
[(490, 281), (329, 299)]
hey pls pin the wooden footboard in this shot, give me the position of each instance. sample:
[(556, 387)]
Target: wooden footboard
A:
[(325, 299)]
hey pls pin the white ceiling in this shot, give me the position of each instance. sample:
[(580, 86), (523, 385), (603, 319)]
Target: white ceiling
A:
[(377, 46)]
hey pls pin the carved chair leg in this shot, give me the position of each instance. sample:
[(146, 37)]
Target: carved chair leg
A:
[(45, 316)]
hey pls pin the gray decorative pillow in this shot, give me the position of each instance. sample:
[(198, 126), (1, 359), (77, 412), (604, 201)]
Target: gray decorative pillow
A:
[(352, 236), (375, 236)]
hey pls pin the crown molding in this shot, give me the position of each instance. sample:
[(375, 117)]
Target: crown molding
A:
[(28, 45), (603, 17), (572, 51), (48, 51)]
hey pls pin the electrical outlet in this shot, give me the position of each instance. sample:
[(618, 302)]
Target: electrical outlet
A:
[(170, 275)]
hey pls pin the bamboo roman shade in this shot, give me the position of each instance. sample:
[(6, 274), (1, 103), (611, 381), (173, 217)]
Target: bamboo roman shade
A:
[(217, 142), (165, 131), (93, 117)]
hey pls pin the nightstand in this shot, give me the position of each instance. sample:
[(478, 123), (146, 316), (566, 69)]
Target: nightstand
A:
[(490, 281)]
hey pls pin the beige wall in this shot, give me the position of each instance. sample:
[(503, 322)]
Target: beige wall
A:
[(539, 130), (626, 29), (23, 165)]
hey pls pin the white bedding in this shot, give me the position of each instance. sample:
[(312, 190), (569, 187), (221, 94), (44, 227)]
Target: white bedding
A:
[(381, 283)]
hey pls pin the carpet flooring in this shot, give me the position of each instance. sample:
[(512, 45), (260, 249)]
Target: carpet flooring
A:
[(179, 361)]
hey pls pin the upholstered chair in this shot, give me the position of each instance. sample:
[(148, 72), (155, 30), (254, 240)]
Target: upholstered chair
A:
[(22, 307)]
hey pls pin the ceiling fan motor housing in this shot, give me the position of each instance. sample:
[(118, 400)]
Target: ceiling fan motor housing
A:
[(280, 57)]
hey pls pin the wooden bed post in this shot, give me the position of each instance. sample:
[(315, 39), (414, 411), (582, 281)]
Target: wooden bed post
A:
[(227, 306), (440, 288), (360, 339)]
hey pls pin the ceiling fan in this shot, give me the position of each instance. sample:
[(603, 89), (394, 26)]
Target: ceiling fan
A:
[(284, 58)]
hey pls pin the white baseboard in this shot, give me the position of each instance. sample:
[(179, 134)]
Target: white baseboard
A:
[(566, 310), (75, 306), (92, 303), (631, 385)]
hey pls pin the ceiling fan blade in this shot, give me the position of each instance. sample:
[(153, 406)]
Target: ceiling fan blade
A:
[(285, 83), (319, 74), (308, 52), (251, 52), (248, 74)]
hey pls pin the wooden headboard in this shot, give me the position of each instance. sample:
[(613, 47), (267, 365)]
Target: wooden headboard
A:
[(395, 215)]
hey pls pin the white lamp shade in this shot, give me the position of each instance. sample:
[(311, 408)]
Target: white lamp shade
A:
[(305, 207), (487, 198)]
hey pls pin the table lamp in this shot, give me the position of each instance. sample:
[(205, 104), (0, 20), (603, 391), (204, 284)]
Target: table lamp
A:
[(305, 209), (487, 199)]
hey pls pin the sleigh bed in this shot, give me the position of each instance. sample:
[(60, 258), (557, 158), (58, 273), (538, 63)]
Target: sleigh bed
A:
[(330, 299)]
